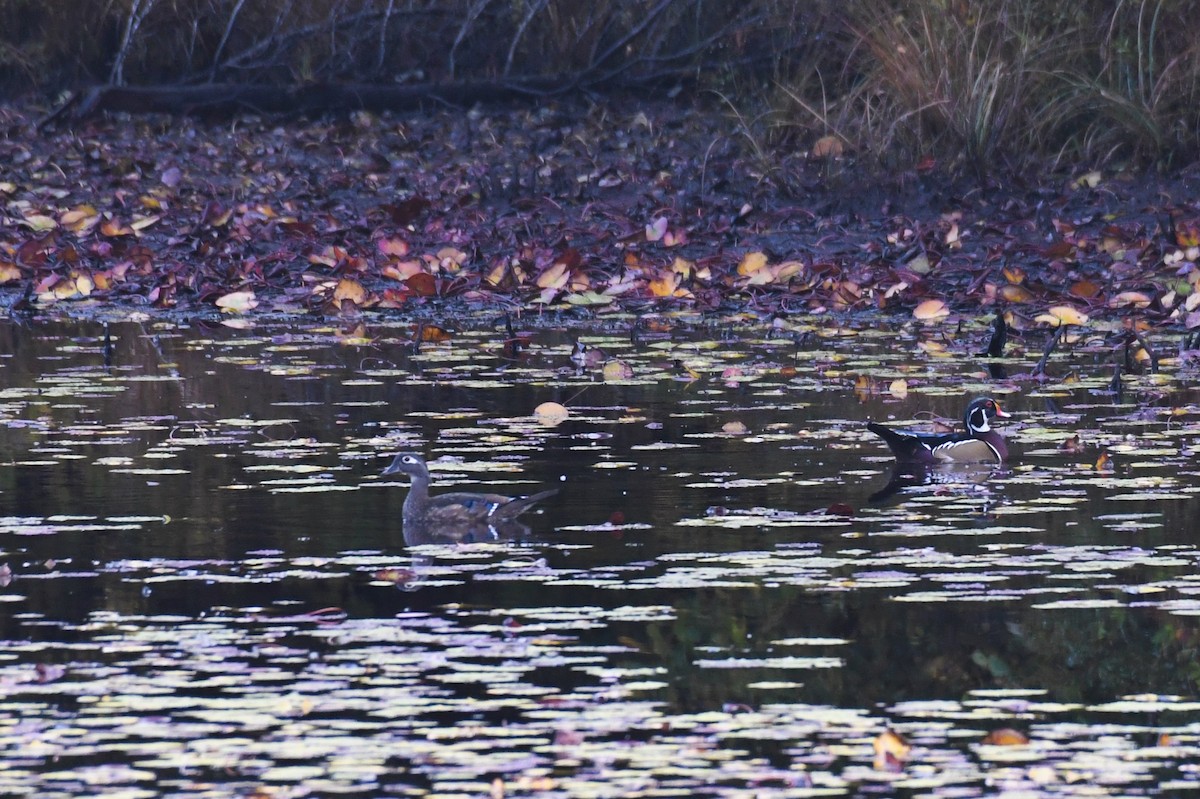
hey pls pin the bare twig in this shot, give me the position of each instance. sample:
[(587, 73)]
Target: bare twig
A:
[(383, 29), (1137, 334), (216, 59), (137, 13), (534, 10), (1040, 369), (472, 14)]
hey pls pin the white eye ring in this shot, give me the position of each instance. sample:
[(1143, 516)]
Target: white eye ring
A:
[(410, 459)]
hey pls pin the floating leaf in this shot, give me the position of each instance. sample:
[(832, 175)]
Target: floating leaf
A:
[(551, 413), (616, 370), (237, 302), (931, 309)]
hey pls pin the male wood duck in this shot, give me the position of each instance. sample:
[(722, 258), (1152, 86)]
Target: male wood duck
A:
[(585, 356), (460, 513), (979, 442)]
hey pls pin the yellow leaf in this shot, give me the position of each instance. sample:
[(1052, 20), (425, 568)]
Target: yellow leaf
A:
[(892, 743), (237, 302), (751, 263), (143, 222), (1063, 315), (616, 370), (931, 309), (9, 271), (40, 223), (898, 388), (1089, 180), (787, 270), (80, 219), (682, 266), (555, 277)]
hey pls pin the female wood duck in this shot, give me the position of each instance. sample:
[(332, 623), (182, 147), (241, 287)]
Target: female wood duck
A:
[(978, 443), (460, 513)]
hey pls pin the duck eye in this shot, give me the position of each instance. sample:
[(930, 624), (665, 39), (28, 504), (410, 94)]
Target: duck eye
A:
[(409, 459)]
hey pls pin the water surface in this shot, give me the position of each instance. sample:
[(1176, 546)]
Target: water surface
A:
[(208, 589)]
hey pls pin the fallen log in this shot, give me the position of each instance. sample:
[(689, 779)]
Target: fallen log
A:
[(310, 98)]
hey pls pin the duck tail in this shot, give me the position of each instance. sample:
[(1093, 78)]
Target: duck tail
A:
[(897, 442), (514, 508)]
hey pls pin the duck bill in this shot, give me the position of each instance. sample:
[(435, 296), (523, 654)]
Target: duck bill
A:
[(1000, 414)]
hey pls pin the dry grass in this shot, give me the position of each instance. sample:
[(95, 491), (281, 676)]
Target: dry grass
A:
[(983, 85)]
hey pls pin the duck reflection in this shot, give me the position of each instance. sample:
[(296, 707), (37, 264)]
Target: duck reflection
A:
[(908, 475), (459, 517)]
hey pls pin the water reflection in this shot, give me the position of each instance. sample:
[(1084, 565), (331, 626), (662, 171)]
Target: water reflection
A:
[(194, 532)]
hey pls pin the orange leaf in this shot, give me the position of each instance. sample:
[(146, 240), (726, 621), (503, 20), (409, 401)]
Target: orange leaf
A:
[(551, 413), (348, 289), (891, 750), (112, 229), (664, 284), (827, 147), (431, 333), (1006, 736), (422, 284), (1135, 299), (1187, 235), (1085, 289), (1015, 293), (931, 309), (403, 270)]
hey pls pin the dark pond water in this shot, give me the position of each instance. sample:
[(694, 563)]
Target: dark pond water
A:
[(207, 588)]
